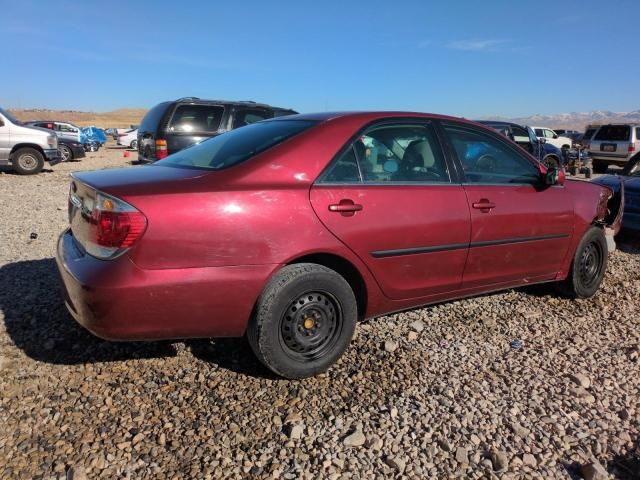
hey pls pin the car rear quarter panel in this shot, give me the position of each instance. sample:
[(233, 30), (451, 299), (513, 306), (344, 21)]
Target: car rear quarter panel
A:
[(588, 202)]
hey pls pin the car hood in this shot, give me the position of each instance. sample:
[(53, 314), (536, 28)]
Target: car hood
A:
[(140, 179), (613, 182)]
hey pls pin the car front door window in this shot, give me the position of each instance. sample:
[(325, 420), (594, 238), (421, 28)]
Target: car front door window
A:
[(487, 159)]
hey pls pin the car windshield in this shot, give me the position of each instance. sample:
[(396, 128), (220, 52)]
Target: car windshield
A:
[(237, 145), (10, 117)]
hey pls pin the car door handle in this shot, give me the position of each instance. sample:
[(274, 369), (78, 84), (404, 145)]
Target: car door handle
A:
[(346, 207), (484, 205)]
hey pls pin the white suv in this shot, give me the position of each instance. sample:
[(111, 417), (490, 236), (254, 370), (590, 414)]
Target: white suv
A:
[(614, 144), (563, 143)]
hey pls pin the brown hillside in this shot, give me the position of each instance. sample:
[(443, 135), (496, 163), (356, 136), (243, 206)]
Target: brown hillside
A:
[(120, 118)]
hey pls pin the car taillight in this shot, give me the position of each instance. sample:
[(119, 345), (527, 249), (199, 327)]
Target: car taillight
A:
[(114, 227), (632, 148), (161, 148)]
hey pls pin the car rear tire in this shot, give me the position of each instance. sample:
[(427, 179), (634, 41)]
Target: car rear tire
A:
[(303, 320), (134, 145), (66, 153), (588, 266), (27, 161), (599, 166)]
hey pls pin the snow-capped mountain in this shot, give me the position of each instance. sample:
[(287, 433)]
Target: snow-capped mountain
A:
[(574, 120)]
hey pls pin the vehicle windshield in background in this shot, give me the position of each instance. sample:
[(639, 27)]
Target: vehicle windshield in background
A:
[(10, 117), (614, 133), (236, 146), (196, 118)]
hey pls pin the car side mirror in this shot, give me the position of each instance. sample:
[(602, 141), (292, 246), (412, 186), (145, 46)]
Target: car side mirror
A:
[(542, 140), (555, 135), (554, 176)]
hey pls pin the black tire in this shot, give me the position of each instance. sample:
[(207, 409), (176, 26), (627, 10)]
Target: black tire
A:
[(599, 166), (27, 161), (134, 145), (588, 266), (551, 161), (303, 320), (66, 153)]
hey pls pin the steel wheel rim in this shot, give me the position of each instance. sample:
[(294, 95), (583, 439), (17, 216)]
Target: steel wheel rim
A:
[(311, 326), (65, 152), (590, 264), (28, 161)]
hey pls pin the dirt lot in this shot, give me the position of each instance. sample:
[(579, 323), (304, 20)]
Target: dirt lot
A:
[(432, 393)]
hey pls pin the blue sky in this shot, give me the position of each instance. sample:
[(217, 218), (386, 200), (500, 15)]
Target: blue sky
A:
[(468, 57)]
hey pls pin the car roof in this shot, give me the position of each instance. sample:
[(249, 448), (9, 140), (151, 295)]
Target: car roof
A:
[(244, 103), (366, 116), (498, 122)]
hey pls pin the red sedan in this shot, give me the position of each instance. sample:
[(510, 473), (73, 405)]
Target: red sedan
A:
[(292, 229)]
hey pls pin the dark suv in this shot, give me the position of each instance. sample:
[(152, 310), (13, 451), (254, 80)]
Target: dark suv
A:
[(174, 125)]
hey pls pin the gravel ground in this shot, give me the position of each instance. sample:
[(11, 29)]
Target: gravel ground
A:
[(432, 393)]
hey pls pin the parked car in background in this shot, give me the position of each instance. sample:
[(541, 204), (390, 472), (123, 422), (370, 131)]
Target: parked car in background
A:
[(289, 230), (630, 176), (65, 130), (92, 138), (171, 126), (614, 144), (26, 148), (128, 139), (116, 132), (563, 143), (547, 153), (70, 150)]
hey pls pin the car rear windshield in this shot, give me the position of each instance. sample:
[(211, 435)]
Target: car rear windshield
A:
[(196, 118), (237, 145), (589, 133), (614, 133)]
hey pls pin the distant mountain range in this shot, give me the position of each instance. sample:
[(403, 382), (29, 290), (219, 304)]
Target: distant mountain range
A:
[(574, 120), (126, 116)]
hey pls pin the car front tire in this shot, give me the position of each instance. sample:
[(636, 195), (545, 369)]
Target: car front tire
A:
[(588, 266), (303, 321), (27, 161)]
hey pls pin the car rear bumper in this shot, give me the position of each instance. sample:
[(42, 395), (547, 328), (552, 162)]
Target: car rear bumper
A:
[(117, 300)]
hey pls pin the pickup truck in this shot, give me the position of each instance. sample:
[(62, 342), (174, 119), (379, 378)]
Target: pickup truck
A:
[(24, 148), (563, 143)]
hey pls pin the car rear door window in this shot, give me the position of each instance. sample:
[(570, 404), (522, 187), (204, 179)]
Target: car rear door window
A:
[(488, 160), (247, 117), (196, 119), (391, 154)]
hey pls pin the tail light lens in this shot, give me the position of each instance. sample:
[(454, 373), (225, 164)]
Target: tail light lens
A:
[(632, 147), (114, 226), (161, 149)]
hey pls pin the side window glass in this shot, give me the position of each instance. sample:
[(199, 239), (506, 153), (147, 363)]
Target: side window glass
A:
[(345, 170), (548, 134), (248, 117), (539, 132), (520, 135), (486, 159), (401, 153)]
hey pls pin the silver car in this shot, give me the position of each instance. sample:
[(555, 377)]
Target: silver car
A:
[(26, 148), (614, 144), (64, 130)]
